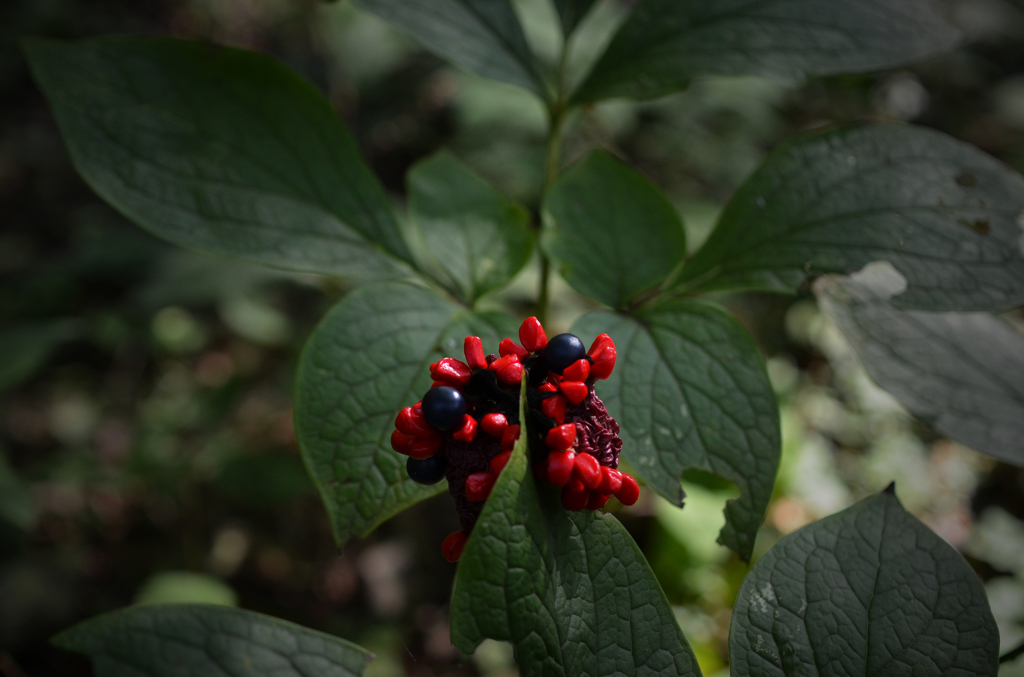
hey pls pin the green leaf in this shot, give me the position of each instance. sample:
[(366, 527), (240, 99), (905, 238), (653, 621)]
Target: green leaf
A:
[(571, 591), (219, 150), (941, 211), (868, 591), (479, 239), (482, 36), (571, 13), (612, 233), (665, 44), (368, 358), (26, 348), (690, 390), (962, 373), (208, 641)]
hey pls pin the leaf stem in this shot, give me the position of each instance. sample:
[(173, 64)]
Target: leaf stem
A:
[(557, 112)]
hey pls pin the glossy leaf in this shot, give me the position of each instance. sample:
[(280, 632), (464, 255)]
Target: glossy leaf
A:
[(571, 13), (612, 234), (664, 44), (26, 348), (963, 373), (208, 641), (868, 591), (941, 211), (220, 150), (478, 238), (690, 390), (571, 591), (368, 358), (482, 36)]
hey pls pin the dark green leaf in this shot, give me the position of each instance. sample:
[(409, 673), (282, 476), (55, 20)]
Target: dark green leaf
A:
[(666, 43), (571, 591), (220, 150), (690, 391), (25, 348), (482, 36), (963, 373), (571, 12), (478, 238), (941, 211), (367, 359), (868, 591), (613, 234), (208, 641)]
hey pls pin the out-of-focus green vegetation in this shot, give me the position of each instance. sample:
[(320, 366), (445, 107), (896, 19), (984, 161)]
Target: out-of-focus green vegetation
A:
[(145, 424)]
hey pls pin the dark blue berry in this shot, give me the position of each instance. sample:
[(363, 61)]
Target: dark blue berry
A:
[(428, 471), (563, 350), (444, 407)]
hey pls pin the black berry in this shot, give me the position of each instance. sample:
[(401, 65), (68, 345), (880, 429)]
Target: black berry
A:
[(428, 471), (444, 407), (563, 350)]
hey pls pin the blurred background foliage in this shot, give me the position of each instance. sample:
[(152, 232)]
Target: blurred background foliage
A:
[(146, 444)]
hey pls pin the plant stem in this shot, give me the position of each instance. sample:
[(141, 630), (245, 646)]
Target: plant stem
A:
[(553, 163)]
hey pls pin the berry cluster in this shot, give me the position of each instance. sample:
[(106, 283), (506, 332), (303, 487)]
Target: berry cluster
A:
[(465, 426)]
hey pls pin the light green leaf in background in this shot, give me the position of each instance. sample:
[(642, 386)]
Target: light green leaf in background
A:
[(612, 234), (571, 13), (220, 150), (962, 373), (25, 348), (665, 44), (208, 641), (690, 390), (868, 591), (185, 587), (942, 212), (571, 591), (477, 238), (368, 358), (482, 36)]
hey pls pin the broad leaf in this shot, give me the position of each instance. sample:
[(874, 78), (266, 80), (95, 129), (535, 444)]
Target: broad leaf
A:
[(571, 591), (963, 373), (666, 43), (219, 150), (368, 358), (941, 211), (25, 348), (868, 591), (571, 13), (478, 238), (208, 641), (482, 36), (690, 390), (612, 233)]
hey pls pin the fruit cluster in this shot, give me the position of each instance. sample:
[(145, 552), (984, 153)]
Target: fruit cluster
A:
[(465, 426)]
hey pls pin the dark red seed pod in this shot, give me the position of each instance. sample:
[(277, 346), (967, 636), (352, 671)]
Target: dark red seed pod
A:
[(510, 347), (575, 496), (554, 408), (453, 545), (509, 437), (559, 467), (499, 462), (479, 485), (511, 374), (410, 422), (466, 433), (451, 371), (629, 492), (424, 448), (561, 437), (401, 442), (588, 470), (611, 480), (577, 371), (574, 391), (494, 424), (531, 334), (597, 500), (474, 349)]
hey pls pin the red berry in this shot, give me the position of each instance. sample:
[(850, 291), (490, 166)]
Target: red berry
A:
[(547, 388), (400, 442), (574, 391), (575, 496), (611, 480), (511, 374), (597, 500), (502, 362), (604, 363), (509, 437), (577, 371), (559, 467), (494, 424), (452, 371), (499, 462), (510, 347), (479, 485), (629, 492), (554, 408), (531, 334), (474, 349), (424, 448), (453, 545), (588, 470), (466, 433), (410, 422), (561, 437), (599, 343)]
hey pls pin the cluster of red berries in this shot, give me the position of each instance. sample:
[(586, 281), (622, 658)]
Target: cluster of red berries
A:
[(575, 443)]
